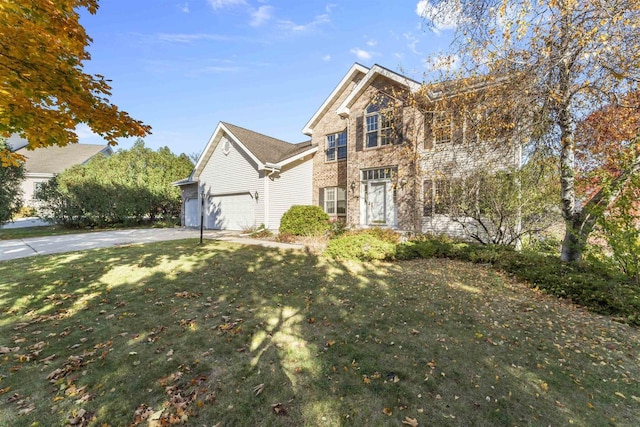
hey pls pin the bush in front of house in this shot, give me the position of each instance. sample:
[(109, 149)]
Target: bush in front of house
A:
[(594, 285), (304, 220), (365, 245)]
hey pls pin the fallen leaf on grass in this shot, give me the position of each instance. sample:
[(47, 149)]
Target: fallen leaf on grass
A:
[(544, 386), (410, 422), (617, 393), (387, 411), (30, 408), (258, 389), (279, 409)]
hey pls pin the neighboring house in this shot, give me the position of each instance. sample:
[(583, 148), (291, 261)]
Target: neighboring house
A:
[(379, 162), (43, 164), (246, 180)]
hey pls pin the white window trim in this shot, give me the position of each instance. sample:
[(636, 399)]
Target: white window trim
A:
[(334, 191)]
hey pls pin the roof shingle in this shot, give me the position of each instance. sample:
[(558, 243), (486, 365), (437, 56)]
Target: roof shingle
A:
[(53, 160), (266, 148)]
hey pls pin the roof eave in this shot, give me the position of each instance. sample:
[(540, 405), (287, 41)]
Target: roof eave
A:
[(413, 86), (355, 68)]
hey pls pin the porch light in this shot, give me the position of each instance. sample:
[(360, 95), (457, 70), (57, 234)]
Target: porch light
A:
[(353, 186), (256, 196)]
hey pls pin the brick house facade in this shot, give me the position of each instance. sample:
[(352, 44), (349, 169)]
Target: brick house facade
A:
[(378, 161)]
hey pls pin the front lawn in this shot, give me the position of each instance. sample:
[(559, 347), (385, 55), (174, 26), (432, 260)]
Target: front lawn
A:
[(230, 335)]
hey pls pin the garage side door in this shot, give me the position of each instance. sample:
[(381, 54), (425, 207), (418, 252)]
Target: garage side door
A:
[(191, 213), (230, 212)]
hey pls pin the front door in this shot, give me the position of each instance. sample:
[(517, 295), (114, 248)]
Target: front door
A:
[(377, 203)]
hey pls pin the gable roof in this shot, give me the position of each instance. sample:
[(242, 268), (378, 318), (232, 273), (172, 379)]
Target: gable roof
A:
[(55, 159), (339, 89), (265, 151), (374, 72)]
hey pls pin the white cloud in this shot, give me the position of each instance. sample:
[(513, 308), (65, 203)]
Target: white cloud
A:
[(442, 62), (371, 43), (329, 7), (412, 43), (184, 7), (260, 15), (292, 26), (326, 58), (219, 4), (361, 54), (444, 16)]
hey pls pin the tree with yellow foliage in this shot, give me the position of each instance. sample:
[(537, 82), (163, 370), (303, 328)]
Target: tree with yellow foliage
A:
[(559, 60), (44, 91)]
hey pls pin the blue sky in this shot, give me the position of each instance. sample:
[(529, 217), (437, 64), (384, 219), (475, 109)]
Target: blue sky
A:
[(182, 66)]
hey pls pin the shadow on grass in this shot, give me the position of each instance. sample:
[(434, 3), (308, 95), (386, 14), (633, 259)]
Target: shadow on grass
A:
[(178, 332)]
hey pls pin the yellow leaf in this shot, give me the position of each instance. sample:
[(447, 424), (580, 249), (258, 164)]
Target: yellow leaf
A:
[(544, 386), (617, 393), (387, 411), (590, 405)]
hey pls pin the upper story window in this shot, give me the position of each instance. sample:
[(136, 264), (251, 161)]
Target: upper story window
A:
[(337, 146), (378, 123), (442, 127)]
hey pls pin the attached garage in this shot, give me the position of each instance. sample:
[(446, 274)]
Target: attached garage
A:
[(230, 211)]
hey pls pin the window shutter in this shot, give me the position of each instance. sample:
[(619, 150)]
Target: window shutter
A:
[(458, 127), (428, 135), (427, 186), (321, 198), (359, 133), (398, 126)]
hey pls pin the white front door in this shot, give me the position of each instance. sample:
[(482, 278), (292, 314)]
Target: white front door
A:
[(377, 205)]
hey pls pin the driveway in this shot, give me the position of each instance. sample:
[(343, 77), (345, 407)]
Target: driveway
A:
[(20, 248)]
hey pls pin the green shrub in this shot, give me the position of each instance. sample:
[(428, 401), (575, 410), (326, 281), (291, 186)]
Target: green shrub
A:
[(384, 234), (362, 246), (304, 220)]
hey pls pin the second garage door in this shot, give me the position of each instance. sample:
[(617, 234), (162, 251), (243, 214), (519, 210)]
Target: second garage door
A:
[(230, 212)]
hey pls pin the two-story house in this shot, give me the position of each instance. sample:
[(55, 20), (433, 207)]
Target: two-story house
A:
[(375, 158)]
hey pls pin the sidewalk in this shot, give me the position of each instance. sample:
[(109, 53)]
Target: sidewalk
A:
[(20, 248)]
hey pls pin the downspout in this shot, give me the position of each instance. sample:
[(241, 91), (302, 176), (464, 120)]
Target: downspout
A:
[(272, 169)]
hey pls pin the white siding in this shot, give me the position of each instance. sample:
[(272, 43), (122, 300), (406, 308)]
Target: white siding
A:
[(28, 188), (293, 186), (232, 173)]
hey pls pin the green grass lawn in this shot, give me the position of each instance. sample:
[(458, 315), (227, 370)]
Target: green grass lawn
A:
[(231, 335)]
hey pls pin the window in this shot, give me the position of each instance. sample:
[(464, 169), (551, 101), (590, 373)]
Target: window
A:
[(337, 143), (378, 124), (441, 127), (436, 194), (377, 174), (335, 200), (445, 196)]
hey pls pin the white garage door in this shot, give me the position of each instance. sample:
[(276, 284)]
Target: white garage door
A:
[(191, 213), (230, 212)]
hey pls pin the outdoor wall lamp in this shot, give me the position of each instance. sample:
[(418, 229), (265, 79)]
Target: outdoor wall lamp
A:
[(353, 186), (403, 181), (256, 196)]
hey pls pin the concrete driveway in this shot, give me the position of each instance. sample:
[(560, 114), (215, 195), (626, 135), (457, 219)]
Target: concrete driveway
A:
[(20, 248)]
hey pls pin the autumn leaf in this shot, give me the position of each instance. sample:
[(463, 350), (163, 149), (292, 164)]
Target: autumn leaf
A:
[(387, 411), (410, 422)]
